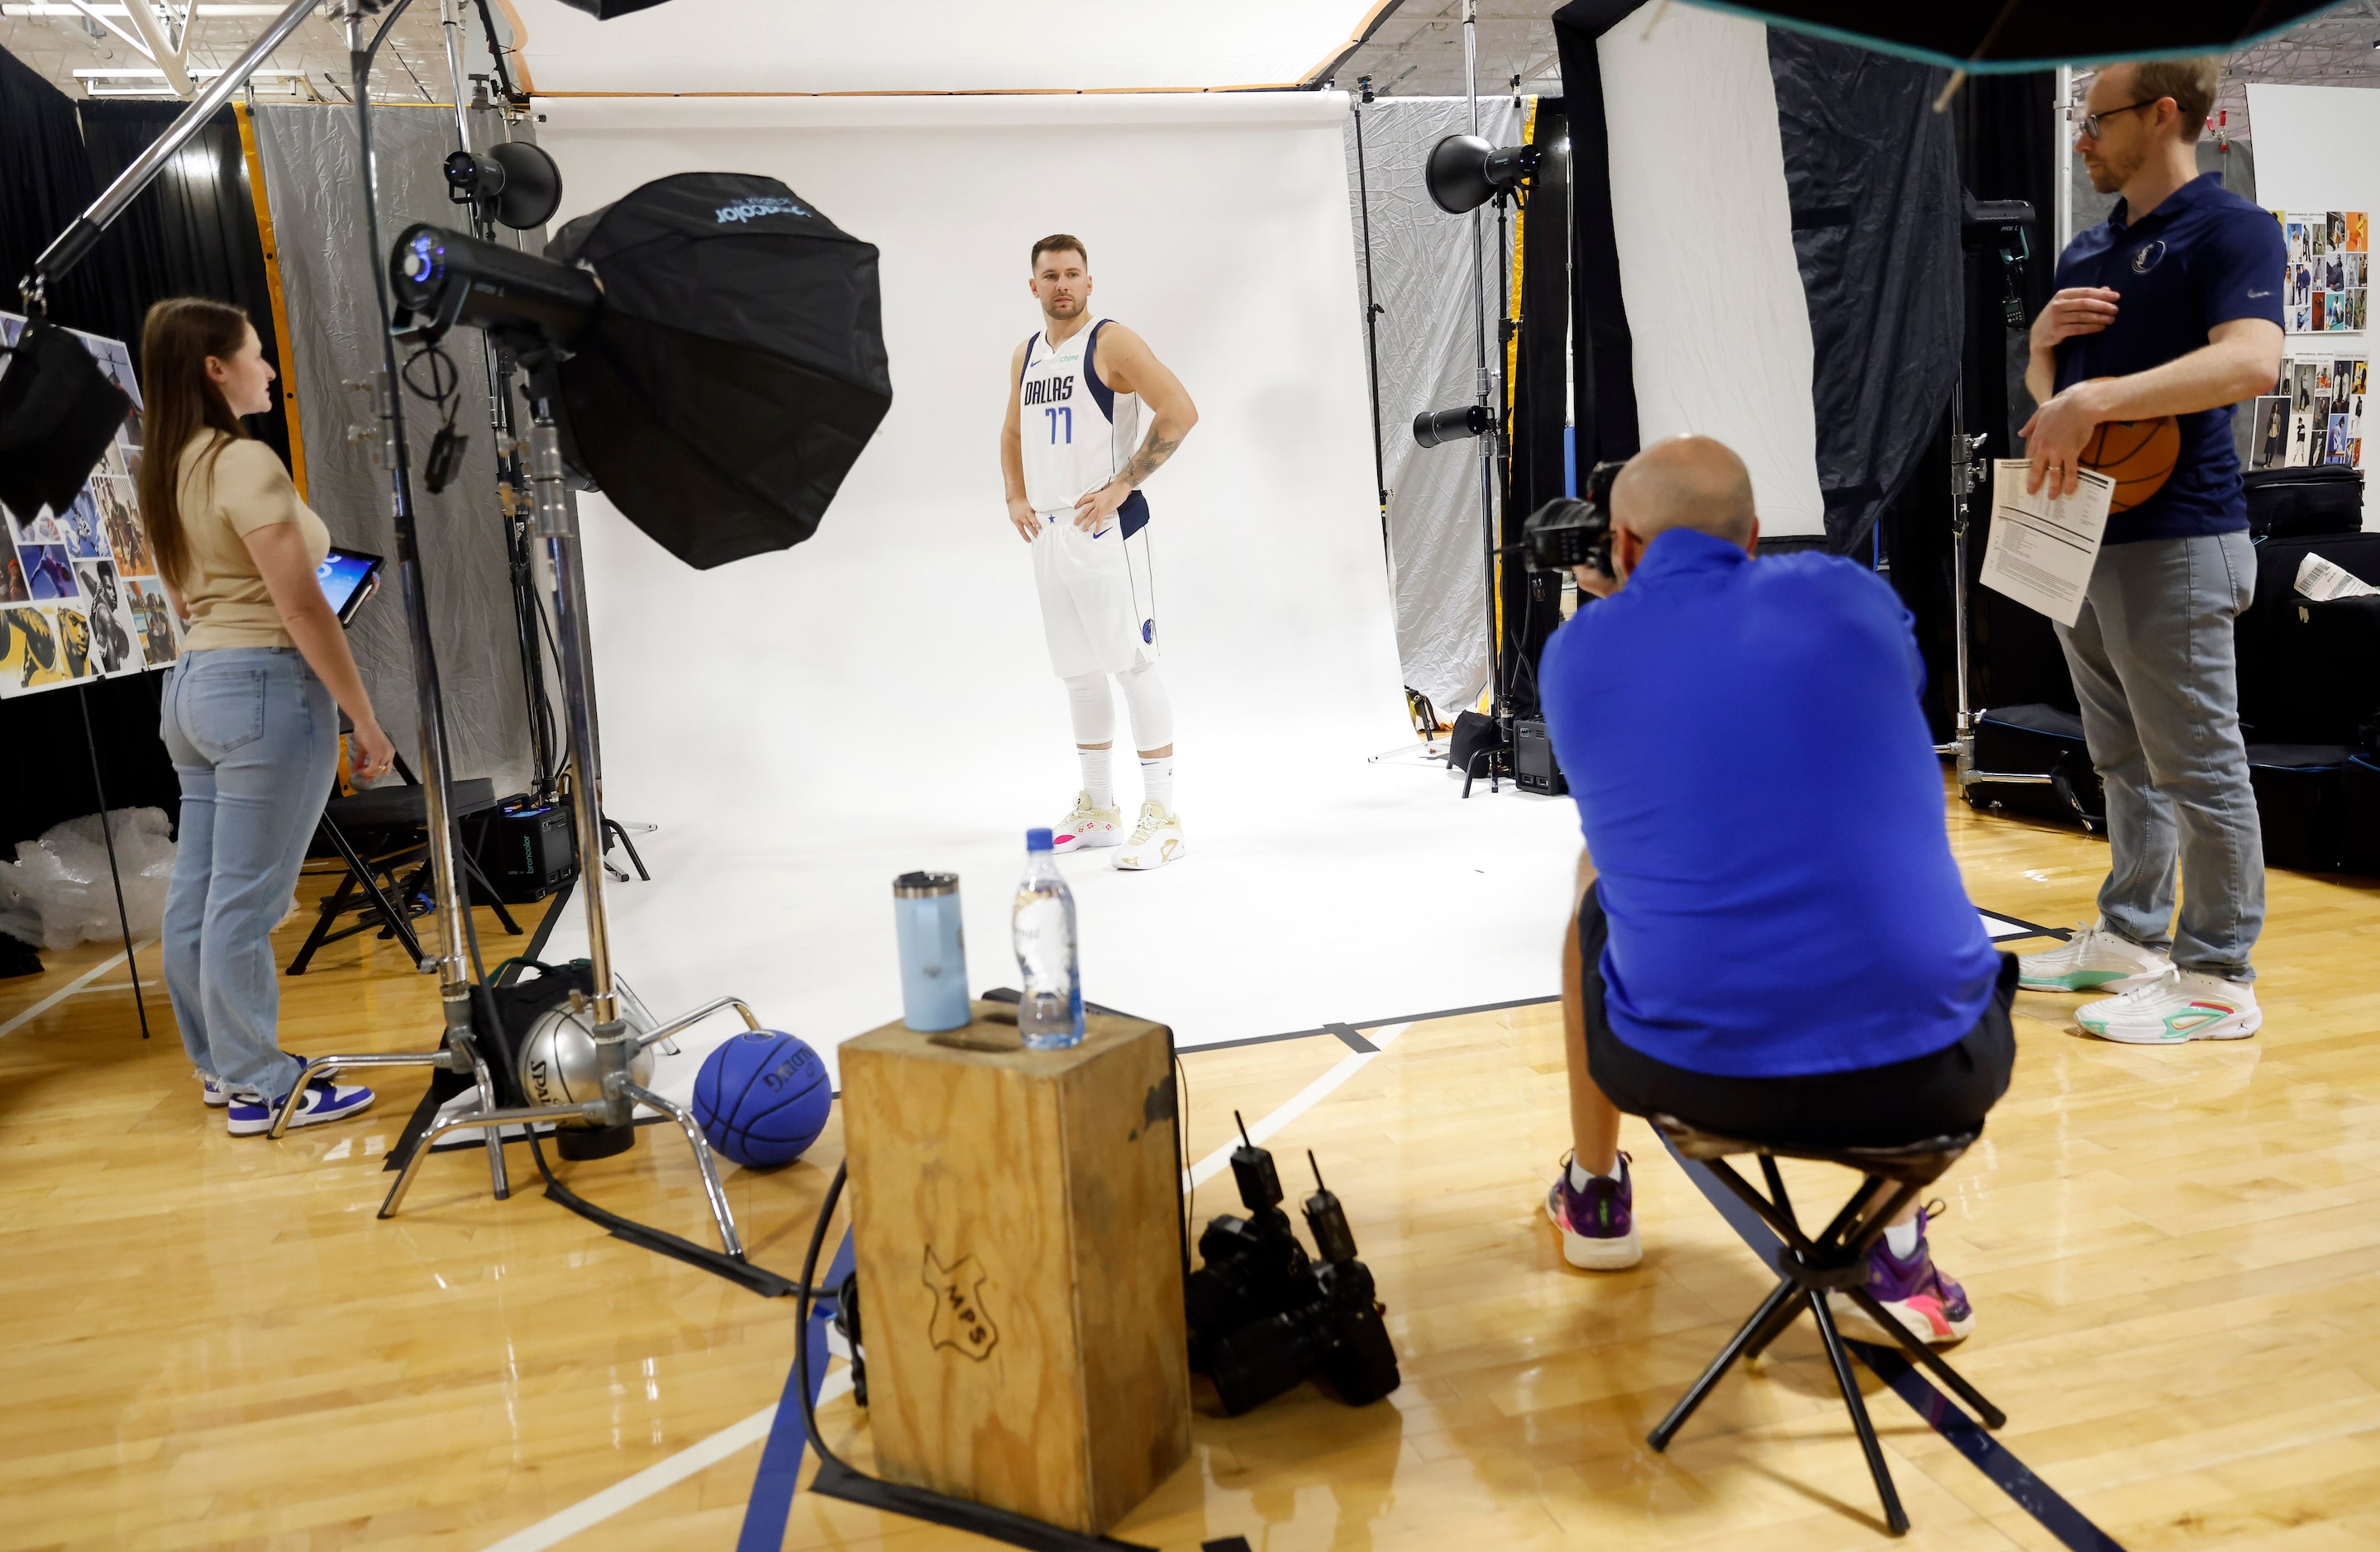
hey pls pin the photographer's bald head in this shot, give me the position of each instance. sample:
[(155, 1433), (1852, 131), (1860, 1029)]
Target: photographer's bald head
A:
[(1678, 483)]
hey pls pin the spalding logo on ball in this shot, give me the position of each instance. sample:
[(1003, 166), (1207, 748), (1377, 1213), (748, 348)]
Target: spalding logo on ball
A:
[(762, 1097)]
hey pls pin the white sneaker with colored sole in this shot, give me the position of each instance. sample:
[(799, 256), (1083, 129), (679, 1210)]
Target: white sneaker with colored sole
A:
[(1088, 826), (2178, 1007), (1156, 840), (2093, 960)]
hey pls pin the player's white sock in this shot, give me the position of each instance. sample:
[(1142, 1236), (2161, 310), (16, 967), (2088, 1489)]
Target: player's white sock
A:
[(1902, 1240), (1157, 781), (1098, 777)]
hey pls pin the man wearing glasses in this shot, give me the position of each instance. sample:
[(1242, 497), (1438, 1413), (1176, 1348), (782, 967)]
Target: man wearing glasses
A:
[(2170, 307)]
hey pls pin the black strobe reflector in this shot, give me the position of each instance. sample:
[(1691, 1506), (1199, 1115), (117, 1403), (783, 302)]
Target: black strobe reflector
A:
[(1464, 172), (446, 278), (736, 368), (1432, 427)]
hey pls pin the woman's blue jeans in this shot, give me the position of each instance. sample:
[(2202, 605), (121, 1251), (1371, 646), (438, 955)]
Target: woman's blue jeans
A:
[(254, 737)]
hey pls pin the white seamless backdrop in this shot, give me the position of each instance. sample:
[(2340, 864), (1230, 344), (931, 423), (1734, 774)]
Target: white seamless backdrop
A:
[(804, 726)]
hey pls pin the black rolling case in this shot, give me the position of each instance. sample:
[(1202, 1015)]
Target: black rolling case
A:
[(2039, 741), (2292, 502), (2299, 805), (2358, 804), (2301, 674)]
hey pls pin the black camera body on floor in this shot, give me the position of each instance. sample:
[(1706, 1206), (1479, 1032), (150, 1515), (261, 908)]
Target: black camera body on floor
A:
[(1265, 1315)]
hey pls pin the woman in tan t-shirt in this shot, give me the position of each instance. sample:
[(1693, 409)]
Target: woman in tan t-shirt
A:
[(247, 712)]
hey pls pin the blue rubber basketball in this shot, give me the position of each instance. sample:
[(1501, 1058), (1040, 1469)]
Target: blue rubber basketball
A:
[(762, 1097)]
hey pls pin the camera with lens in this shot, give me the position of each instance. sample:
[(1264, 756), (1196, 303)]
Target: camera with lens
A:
[(1565, 533), (1265, 1315)]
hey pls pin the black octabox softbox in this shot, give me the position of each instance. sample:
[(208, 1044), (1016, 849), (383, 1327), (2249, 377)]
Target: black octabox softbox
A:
[(736, 368)]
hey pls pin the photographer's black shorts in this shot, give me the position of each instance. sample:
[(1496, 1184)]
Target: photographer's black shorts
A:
[(1946, 1091)]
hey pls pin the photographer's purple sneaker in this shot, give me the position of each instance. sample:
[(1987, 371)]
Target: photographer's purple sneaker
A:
[(1599, 1225), (1932, 1307)]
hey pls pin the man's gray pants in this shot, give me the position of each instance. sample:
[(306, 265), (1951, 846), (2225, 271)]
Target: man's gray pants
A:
[(2157, 671)]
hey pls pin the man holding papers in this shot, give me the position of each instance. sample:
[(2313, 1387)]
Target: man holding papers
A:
[(2170, 307)]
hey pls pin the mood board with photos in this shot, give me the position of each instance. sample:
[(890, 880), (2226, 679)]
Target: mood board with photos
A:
[(2313, 416), (79, 597), (2326, 276)]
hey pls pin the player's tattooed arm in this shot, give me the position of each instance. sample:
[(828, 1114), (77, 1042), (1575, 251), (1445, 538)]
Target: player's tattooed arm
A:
[(1136, 369), (1155, 448), (1129, 367)]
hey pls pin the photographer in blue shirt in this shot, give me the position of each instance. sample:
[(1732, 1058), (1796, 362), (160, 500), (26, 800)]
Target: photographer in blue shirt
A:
[(2170, 307), (1772, 940)]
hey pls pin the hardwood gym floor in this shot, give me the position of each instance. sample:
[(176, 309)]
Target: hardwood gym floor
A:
[(2175, 1255)]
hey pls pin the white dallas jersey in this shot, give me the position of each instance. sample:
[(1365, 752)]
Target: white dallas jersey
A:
[(1075, 431)]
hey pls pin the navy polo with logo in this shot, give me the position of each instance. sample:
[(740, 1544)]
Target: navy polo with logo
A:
[(2203, 258)]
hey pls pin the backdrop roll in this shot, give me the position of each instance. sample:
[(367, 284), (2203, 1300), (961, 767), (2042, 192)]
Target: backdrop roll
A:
[(804, 726)]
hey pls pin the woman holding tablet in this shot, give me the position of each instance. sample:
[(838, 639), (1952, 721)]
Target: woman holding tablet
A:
[(248, 713)]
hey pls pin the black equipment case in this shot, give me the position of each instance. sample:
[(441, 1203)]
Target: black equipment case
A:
[(527, 850)]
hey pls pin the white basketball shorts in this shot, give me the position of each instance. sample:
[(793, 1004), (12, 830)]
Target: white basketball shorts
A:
[(1099, 597)]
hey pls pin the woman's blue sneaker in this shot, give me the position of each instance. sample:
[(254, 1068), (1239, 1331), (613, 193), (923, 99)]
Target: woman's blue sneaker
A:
[(325, 1100)]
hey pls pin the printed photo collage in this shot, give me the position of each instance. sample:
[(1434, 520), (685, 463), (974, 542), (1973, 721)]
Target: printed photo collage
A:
[(79, 597), (2314, 416), (2327, 276)]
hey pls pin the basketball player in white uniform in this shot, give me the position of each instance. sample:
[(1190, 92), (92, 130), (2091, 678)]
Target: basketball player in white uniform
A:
[(1076, 390)]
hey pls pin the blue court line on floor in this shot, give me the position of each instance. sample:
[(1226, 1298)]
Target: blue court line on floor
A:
[(1991, 1457), (1965, 1435), (781, 1458)]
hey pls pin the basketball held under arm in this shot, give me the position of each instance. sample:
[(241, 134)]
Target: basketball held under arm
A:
[(2239, 359)]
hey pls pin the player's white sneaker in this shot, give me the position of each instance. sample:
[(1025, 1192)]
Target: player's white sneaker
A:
[(1156, 840), (2178, 1007), (2093, 960), (1088, 826)]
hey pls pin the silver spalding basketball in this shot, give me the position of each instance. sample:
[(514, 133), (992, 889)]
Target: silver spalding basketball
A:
[(557, 1060)]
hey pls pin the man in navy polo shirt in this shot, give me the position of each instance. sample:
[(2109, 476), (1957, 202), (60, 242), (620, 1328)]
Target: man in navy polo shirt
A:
[(2170, 307), (1772, 938)]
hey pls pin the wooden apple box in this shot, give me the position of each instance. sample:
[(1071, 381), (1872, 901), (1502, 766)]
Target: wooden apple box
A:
[(1017, 1225)]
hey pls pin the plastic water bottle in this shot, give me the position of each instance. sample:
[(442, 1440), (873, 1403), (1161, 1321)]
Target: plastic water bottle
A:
[(1049, 1014)]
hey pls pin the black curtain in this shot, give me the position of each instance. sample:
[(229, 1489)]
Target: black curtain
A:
[(2006, 137), (193, 232), (1602, 349), (1871, 179), (45, 183), (1533, 474)]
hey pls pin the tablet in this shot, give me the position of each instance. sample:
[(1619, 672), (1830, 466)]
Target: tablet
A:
[(348, 576)]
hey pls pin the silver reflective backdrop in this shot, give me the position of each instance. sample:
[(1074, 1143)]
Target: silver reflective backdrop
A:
[(308, 155), (1421, 268)]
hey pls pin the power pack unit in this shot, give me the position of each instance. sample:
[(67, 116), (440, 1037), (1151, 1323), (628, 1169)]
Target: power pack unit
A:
[(528, 850), (1533, 766)]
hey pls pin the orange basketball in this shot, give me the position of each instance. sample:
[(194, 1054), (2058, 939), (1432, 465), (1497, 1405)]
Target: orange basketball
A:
[(2137, 455)]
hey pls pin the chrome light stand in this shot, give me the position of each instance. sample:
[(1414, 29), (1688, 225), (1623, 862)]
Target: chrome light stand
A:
[(616, 1045), (460, 1050)]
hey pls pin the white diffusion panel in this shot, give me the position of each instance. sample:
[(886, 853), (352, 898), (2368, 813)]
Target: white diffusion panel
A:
[(804, 726), (1706, 242)]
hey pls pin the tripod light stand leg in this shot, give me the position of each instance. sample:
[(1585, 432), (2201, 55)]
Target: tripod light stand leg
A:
[(497, 1181), (704, 1164), (321, 1065), (494, 1120)]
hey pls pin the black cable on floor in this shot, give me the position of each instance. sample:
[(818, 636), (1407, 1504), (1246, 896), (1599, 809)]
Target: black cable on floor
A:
[(837, 1480), (660, 1241)]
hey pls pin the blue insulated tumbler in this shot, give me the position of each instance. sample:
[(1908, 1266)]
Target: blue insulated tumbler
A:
[(933, 952)]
